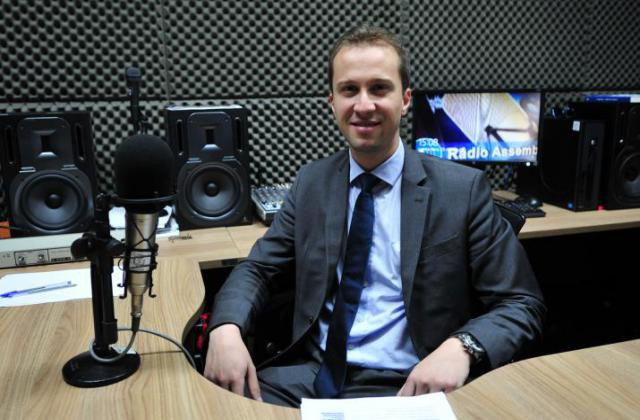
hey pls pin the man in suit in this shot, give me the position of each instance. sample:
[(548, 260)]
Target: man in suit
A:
[(401, 293)]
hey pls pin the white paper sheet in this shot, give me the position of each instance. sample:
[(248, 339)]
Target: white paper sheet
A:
[(423, 407), (81, 290), (167, 226)]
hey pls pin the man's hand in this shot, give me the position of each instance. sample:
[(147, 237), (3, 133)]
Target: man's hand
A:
[(445, 369), (229, 363)]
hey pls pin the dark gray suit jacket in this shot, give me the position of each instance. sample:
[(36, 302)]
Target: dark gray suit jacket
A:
[(462, 267)]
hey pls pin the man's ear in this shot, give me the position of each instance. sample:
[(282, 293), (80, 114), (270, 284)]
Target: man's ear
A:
[(331, 102), (406, 101)]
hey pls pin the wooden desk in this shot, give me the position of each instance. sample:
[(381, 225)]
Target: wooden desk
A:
[(596, 383), (36, 341), (560, 221)]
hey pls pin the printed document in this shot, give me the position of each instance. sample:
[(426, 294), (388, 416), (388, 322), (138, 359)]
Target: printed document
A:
[(422, 407)]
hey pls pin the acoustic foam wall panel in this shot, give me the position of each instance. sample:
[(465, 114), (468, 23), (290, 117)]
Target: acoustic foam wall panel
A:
[(65, 50), (231, 49), (496, 44), (614, 44), (272, 57)]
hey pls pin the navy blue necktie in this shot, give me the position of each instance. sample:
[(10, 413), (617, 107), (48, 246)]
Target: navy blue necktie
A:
[(330, 378)]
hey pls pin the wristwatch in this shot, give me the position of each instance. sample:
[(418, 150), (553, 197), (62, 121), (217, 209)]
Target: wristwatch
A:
[(471, 346)]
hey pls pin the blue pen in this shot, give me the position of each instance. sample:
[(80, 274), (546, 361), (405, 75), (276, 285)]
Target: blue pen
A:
[(39, 289)]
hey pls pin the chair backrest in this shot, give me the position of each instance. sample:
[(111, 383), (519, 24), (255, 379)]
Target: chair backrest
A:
[(515, 219)]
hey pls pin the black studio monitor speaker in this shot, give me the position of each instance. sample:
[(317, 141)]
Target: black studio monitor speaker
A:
[(620, 186), (210, 145), (568, 172), (48, 172)]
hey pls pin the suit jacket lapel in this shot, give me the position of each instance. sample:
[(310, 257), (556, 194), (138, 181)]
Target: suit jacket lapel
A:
[(415, 205), (336, 220)]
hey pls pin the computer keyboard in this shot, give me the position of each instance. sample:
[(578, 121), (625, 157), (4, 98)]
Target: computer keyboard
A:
[(523, 207), (268, 200)]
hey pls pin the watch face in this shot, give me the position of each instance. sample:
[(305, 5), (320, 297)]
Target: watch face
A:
[(471, 346)]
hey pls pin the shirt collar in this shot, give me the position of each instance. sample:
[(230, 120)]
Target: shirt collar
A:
[(389, 171)]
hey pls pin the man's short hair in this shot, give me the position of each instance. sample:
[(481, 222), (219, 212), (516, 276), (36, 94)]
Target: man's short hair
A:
[(370, 35)]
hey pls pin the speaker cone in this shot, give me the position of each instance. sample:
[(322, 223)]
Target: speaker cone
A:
[(50, 202), (211, 192), (628, 178)]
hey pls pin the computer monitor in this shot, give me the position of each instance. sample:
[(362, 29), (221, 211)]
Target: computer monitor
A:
[(477, 127)]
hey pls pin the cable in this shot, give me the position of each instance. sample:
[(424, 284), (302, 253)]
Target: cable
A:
[(165, 50), (112, 359), (124, 352), (166, 337)]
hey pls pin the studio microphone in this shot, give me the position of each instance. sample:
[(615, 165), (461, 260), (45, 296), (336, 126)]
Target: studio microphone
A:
[(144, 185)]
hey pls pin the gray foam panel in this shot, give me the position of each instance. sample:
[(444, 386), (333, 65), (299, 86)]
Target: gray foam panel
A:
[(496, 44), (260, 49), (64, 50), (614, 44), (271, 57)]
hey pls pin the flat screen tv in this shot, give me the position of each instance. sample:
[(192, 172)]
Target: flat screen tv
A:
[(477, 127)]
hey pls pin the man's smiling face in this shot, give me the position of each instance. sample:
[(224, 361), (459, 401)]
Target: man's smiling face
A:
[(368, 101)]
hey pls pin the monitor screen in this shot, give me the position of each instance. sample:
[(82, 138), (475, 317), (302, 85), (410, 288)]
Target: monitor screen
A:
[(477, 126)]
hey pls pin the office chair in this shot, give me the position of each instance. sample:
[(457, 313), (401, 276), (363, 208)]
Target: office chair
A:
[(515, 219)]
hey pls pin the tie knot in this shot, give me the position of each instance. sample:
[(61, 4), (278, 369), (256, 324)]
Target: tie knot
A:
[(368, 182)]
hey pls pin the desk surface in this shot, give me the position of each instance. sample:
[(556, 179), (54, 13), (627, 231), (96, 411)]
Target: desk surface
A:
[(36, 341), (235, 242), (560, 221), (597, 383)]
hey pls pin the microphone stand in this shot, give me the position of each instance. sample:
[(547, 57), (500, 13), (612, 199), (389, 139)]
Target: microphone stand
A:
[(134, 77), (100, 248), (134, 80)]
